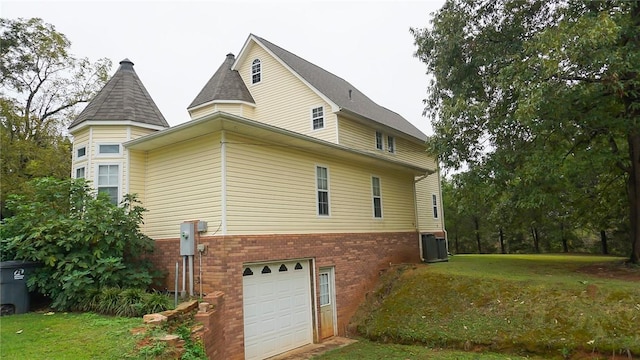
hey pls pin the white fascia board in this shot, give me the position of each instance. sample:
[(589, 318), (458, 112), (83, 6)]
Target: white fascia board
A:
[(212, 102), (84, 124)]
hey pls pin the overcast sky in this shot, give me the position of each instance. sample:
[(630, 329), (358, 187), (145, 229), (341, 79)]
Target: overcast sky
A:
[(177, 46)]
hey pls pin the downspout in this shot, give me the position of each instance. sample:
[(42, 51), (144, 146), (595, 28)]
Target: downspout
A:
[(415, 205), (446, 237), (223, 181)]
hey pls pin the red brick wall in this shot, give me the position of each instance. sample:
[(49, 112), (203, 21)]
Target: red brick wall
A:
[(358, 259)]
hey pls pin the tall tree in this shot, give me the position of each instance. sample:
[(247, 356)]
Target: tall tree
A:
[(41, 86), (529, 77)]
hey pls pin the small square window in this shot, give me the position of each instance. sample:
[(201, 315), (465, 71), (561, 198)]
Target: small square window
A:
[(109, 149), (317, 116), (80, 173), (81, 152)]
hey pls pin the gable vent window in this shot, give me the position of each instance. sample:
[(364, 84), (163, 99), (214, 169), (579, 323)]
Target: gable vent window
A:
[(266, 270), (256, 71), (322, 178), (391, 144), (317, 117), (283, 267), (298, 267), (379, 143), (247, 272)]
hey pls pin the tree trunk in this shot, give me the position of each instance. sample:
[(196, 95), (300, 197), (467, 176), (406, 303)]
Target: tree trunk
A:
[(502, 242), (603, 241), (565, 246), (633, 190), (536, 240), (476, 222)]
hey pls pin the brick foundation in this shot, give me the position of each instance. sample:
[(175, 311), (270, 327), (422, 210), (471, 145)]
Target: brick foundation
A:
[(358, 259)]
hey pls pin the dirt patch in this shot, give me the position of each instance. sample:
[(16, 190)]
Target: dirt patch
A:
[(613, 270)]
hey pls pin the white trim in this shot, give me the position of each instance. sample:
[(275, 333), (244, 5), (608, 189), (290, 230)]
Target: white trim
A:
[(315, 173), (213, 102), (244, 53), (96, 174), (90, 154), (108, 155), (373, 197), (127, 163), (223, 182), (337, 129), (324, 117), (86, 123)]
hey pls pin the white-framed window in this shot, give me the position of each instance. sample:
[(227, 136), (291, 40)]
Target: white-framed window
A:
[(391, 144), (317, 118), (325, 289), (256, 71), (80, 172), (322, 186), (434, 202), (108, 180), (376, 193), (81, 152), (109, 149), (379, 141)]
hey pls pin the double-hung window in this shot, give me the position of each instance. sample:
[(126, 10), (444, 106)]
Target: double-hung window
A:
[(317, 118), (109, 181), (434, 202), (256, 71), (322, 182), (379, 143), (391, 144), (377, 197)]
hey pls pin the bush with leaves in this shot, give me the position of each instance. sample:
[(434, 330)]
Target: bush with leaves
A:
[(83, 241)]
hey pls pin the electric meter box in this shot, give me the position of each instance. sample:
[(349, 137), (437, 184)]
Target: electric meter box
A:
[(187, 239)]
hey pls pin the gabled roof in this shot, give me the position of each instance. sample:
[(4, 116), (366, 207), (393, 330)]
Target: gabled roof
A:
[(225, 84), (123, 98), (339, 91)]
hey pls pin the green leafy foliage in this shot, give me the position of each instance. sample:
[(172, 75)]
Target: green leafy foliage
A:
[(41, 86), (84, 242), (540, 100)]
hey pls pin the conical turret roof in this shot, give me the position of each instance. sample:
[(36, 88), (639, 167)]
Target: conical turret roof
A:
[(123, 98), (225, 84)]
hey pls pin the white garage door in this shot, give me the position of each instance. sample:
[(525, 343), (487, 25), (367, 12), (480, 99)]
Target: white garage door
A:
[(277, 308)]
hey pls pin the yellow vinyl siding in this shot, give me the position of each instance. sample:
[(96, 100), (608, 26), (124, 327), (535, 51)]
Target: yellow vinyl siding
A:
[(137, 169), (362, 137), (80, 139), (137, 132), (231, 108), (109, 134), (425, 188), (282, 99), (183, 183), (272, 189)]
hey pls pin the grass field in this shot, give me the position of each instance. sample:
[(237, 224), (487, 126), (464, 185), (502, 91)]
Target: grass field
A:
[(549, 305), (66, 336)]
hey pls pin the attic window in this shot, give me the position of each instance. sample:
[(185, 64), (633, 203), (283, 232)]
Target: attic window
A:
[(317, 118), (256, 71), (391, 144), (379, 143)]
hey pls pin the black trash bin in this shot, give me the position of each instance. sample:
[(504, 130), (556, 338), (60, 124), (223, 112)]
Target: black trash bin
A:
[(14, 295)]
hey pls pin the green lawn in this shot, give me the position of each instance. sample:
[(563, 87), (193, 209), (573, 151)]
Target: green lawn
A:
[(66, 336), (516, 304)]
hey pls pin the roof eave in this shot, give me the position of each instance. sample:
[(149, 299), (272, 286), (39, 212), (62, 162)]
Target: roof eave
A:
[(375, 124)]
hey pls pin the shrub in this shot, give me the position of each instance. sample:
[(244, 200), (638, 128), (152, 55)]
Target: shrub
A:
[(83, 241)]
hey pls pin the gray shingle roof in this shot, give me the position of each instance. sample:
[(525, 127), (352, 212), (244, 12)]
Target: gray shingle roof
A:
[(225, 84), (342, 93), (123, 98)]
